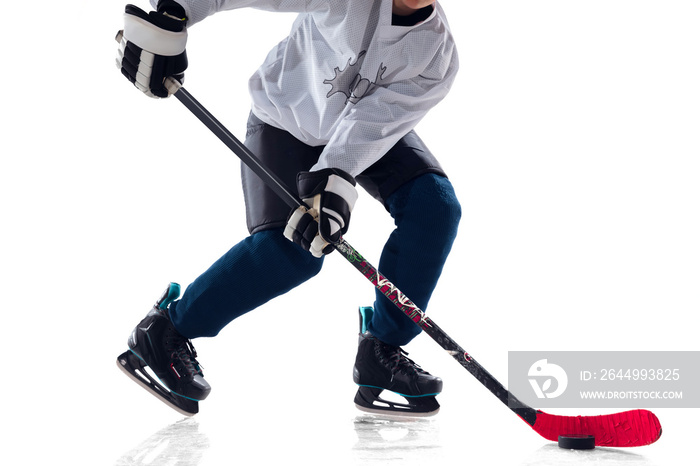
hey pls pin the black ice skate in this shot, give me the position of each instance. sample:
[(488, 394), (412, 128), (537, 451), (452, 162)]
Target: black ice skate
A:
[(380, 367), (156, 345)]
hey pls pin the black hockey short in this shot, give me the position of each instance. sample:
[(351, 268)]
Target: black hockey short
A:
[(286, 156)]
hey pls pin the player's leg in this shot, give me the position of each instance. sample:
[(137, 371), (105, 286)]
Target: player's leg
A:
[(264, 265), (426, 212), (259, 268), (255, 270)]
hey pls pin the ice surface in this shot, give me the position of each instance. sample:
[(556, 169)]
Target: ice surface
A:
[(552, 455), (180, 443), (375, 440)]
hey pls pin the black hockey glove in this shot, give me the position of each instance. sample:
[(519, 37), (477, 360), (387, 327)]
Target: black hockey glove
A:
[(152, 47), (330, 195)]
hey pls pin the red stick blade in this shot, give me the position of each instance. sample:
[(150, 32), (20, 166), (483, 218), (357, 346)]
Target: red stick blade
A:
[(626, 429)]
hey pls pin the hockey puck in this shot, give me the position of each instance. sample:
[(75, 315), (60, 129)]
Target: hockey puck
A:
[(577, 442)]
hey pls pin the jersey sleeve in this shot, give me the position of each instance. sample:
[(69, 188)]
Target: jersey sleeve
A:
[(197, 10), (382, 117)]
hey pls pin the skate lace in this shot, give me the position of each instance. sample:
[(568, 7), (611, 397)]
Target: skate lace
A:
[(183, 351), (396, 359)]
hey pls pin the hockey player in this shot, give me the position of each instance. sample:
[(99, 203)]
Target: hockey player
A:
[(333, 105)]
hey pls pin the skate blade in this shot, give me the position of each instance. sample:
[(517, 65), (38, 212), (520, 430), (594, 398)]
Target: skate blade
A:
[(134, 368), (368, 400)]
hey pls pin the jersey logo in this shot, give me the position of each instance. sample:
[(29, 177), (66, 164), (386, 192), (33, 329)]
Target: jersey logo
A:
[(350, 83)]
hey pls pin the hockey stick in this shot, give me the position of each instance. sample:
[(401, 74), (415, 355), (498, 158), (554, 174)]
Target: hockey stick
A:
[(625, 429)]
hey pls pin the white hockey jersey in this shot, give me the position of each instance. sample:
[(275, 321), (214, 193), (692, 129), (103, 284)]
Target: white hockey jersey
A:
[(345, 77)]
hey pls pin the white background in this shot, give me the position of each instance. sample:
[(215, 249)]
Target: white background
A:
[(571, 136)]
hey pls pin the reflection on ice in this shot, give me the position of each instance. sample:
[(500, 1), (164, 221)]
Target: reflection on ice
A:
[(179, 444), (552, 455), (357, 440), (382, 439)]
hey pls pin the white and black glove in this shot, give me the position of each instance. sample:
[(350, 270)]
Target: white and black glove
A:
[(330, 195), (152, 47)]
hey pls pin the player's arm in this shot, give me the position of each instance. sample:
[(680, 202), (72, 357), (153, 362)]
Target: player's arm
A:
[(197, 10), (361, 139), (378, 120)]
